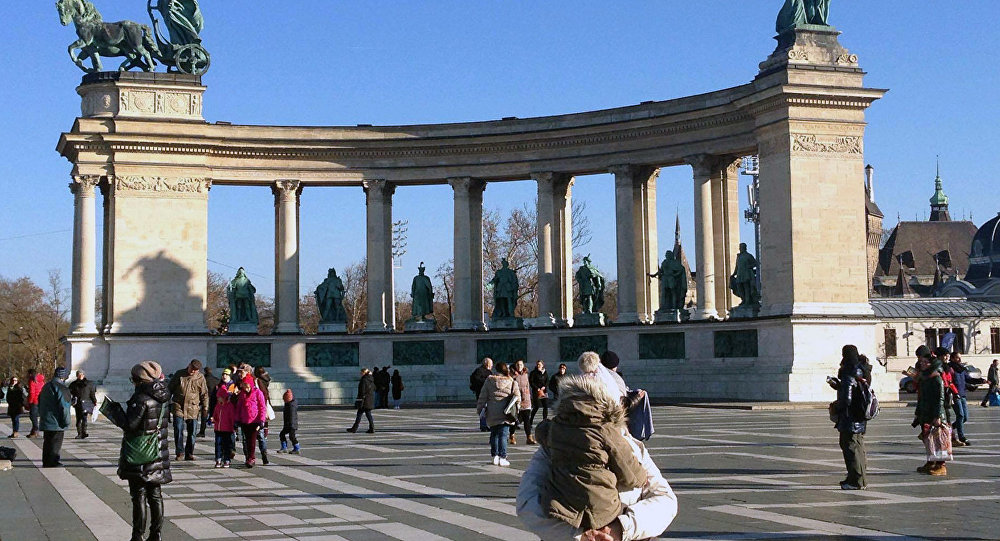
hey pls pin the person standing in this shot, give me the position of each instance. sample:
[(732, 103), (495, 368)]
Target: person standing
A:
[(539, 380), (35, 383), (365, 401), (852, 430), (211, 382), (190, 404), (251, 413), (145, 417), (289, 423), (554, 380), (491, 404), (15, 405), (84, 396), (263, 381), (993, 381), (224, 420), (960, 375), (520, 375), (53, 410), (930, 411), (397, 388), (476, 381), (385, 387)]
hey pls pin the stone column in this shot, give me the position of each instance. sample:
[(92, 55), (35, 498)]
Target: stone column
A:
[(562, 248), (381, 303), (705, 168), (286, 256), (732, 218), (84, 255), (468, 294), (635, 211), (548, 287), (650, 287)]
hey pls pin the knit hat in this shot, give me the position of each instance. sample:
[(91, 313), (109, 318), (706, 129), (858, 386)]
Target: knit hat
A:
[(288, 396), (923, 351), (227, 372), (146, 371), (60, 373), (610, 360)]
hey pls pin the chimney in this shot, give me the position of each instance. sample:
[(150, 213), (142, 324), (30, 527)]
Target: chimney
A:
[(870, 182)]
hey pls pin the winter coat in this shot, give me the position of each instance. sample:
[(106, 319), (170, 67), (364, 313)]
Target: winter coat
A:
[(478, 378), (382, 379), (960, 376), (848, 390), (84, 394), (397, 386), (15, 400), (290, 415), (35, 388), (991, 375), (224, 416), (251, 407), (212, 383), (263, 382), (366, 392), (592, 461), (53, 407), (190, 394), (930, 399), (553, 386), (493, 399), (525, 388), (537, 379), (142, 416)]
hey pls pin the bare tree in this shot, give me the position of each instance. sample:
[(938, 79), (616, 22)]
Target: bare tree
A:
[(309, 314), (355, 277), (32, 321), (265, 314), (216, 305)]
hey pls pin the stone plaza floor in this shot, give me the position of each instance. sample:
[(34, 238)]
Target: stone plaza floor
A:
[(738, 475)]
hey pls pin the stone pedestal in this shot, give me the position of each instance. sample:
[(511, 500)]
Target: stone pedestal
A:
[(506, 323), (423, 325), (141, 95), (332, 328), (591, 320), (242, 328), (540, 322), (744, 312), (671, 316)]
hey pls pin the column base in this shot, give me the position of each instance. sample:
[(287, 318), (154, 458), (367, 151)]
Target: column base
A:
[(84, 329), (624, 318), (590, 320), (287, 328), (705, 315)]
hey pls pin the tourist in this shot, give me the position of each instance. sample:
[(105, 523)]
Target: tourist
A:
[(476, 381), (251, 413), (224, 420), (145, 418), (960, 374), (539, 381), (84, 396), (948, 377), (591, 460), (190, 403), (263, 380), (53, 410), (15, 405), (629, 397), (397, 389), (491, 404), (930, 412), (35, 383), (384, 387), (993, 379), (520, 375), (866, 368), (211, 383), (553, 386), (289, 423), (852, 429), (365, 401)]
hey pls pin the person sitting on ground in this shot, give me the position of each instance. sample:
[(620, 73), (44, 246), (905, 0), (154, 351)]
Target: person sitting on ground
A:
[(591, 460), (289, 423)]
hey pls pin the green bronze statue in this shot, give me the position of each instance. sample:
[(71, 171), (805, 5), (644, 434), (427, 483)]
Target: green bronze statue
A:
[(505, 287), (330, 299), (422, 294), (241, 295), (743, 281), (591, 283), (141, 46), (673, 283), (796, 13)]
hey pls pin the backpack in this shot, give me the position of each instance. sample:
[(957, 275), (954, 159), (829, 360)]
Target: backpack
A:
[(864, 404)]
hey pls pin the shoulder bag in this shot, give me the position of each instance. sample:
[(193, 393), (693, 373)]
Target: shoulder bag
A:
[(144, 448), (512, 406)]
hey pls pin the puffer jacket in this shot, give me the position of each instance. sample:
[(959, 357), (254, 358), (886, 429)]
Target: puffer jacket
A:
[(930, 399), (366, 392), (592, 461), (847, 391), (290, 415), (224, 416), (525, 388), (15, 400), (190, 394), (35, 389), (142, 416), (53, 407), (251, 407), (493, 399)]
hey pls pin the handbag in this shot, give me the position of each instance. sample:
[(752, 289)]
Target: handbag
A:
[(270, 413), (640, 419), (144, 448), (512, 406), (938, 443)]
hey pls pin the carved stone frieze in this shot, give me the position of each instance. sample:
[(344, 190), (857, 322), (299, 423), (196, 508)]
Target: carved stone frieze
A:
[(141, 101), (850, 144), (160, 186)]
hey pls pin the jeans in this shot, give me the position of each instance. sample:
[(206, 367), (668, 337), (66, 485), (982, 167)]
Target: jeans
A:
[(498, 440), (853, 447), (368, 415), (146, 496), (961, 407), (15, 423), (52, 441), (184, 446), (539, 403), (33, 415), (986, 399), (262, 439), (224, 443)]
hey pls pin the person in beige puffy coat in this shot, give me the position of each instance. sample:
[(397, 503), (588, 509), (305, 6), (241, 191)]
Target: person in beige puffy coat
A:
[(493, 400)]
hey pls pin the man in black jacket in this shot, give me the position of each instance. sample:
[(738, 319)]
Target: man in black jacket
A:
[(538, 380), (365, 401), (476, 381), (212, 383), (84, 401), (992, 380), (554, 380)]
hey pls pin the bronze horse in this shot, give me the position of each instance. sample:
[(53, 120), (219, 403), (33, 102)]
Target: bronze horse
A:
[(132, 40)]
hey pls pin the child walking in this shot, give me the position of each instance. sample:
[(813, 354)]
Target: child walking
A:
[(290, 423), (224, 420)]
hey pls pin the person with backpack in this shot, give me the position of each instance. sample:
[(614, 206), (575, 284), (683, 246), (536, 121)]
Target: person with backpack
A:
[(850, 424)]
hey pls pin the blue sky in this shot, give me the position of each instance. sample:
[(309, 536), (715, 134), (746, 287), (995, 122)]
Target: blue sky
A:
[(339, 62)]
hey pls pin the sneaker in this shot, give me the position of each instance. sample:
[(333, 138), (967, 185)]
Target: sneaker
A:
[(32, 435), (283, 450), (225, 464), (12, 436), (967, 443), (218, 464), (496, 461), (847, 486), (503, 463), (293, 452)]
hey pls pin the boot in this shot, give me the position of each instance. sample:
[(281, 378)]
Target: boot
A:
[(955, 442), (531, 441), (295, 449), (155, 498), (512, 440), (371, 430), (33, 434), (353, 429), (284, 448), (140, 513), (938, 469), (925, 468)]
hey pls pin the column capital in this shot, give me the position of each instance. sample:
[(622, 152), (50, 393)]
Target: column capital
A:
[(83, 185), (466, 185), (286, 189), (703, 164), (378, 187), (733, 164), (635, 172)]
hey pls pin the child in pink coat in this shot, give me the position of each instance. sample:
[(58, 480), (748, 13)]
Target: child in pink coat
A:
[(251, 412), (224, 420)]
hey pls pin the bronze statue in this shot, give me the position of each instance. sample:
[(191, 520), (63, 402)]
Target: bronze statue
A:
[(241, 295), (797, 13), (673, 283), (591, 287), (743, 281), (422, 294), (505, 287), (330, 299)]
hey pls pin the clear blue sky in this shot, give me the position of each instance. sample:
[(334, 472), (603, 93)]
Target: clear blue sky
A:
[(339, 62)]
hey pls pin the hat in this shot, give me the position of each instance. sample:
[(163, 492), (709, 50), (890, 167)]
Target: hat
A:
[(61, 373), (146, 371), (610, 360), (227, 372), (248, 379), (923, 351)]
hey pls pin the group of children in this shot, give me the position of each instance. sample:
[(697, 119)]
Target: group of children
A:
[(241, 403)]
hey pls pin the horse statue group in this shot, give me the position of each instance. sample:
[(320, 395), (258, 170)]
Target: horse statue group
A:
[(140, 45)]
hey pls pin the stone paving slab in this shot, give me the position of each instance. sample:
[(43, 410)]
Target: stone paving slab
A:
[(425, 475)]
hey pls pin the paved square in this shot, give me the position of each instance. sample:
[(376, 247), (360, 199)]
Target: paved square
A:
[(739, 475)]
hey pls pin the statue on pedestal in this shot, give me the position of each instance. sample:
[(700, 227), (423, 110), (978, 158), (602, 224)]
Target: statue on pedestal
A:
[(591, 283), (673, 288), (743, 283), (797, 13), (505, 286), (330, 299), (242, 309), (422, 294)]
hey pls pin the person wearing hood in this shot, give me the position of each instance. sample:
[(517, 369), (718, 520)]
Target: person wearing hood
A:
[(54, 402), (251, 413), (852, 430), (145, 420), (35, 383), (365, 401)]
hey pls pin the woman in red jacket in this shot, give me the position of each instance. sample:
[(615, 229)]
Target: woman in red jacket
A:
[(35, 383)]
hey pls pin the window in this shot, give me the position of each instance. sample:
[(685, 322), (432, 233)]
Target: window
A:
[(931, 338), (890, 342), (995, 340), (959, 344)]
